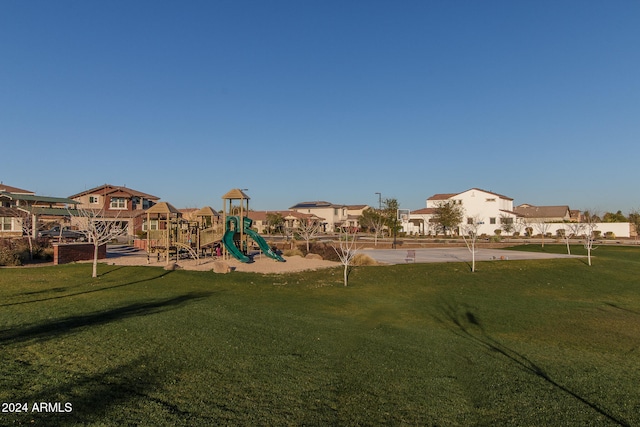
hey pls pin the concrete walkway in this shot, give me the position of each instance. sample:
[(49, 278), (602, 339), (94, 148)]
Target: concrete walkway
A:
[(398, 256)]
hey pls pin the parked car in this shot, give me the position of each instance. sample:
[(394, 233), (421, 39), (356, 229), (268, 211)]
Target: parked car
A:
[(65, 233)]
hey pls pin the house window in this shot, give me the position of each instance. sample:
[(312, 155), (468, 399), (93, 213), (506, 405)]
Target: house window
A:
[(490, 200), (506, 220), (94, 200), (5, 223), (154, 225), (470, 221), (492, 220), (118, 203)]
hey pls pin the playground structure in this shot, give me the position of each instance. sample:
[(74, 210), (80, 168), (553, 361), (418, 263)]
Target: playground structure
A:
[(169, 234), (238, 229)]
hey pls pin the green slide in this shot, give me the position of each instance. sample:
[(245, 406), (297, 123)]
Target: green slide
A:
[(264, 247), (227, 240), (229, 244)]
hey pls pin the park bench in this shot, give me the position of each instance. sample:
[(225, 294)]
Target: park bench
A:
[(411, 256)]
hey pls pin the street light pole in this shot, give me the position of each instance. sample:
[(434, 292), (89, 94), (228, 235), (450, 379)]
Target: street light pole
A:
[(379, 200)]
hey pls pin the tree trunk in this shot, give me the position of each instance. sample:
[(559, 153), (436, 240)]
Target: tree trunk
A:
[(95, 260), (473, 258), (346, 273)]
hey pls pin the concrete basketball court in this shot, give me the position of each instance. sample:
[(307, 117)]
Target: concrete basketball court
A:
[(399, 256)]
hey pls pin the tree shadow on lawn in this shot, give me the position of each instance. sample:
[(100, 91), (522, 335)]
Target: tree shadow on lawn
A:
[(53, 329), (59, 290), (465, 323), (115, 395)]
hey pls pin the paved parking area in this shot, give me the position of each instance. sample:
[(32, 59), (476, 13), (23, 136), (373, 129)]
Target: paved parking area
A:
[(398, 256)]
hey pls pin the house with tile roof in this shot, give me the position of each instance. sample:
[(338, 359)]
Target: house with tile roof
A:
[(335, 216), (21, 209), (291, 220), (117, 203), (491, 209), (531, 213)]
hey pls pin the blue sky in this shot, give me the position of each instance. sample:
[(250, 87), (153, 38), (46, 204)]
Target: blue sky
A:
[(324, 100)]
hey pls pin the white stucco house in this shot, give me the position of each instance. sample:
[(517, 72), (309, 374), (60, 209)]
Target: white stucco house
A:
[(490, 209)]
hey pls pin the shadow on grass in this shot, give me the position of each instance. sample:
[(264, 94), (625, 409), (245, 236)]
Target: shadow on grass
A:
[(610, 304), (466, 324), (59, 290), (53, 329), (102, 396)]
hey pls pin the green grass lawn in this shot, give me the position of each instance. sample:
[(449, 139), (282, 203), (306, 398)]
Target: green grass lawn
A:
[(523, 343)]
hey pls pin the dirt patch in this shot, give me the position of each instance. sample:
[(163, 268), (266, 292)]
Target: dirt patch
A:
[(261, 264)]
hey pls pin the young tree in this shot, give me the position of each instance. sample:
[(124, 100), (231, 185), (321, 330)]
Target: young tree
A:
[(308, 229), (542, 227), (448, 215), (589, 232), (470, 236), (29, 230), (571, 230), (346, 251), (275, 222), (506, 224), (97, 230), (390, 213), (373, 219)]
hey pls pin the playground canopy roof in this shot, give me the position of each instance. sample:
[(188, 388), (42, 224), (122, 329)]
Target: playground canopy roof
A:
[(207, 211), (163, 208), (236, 193)]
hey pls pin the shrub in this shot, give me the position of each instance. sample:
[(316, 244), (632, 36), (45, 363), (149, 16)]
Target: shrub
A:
[(16, 251), (497, 231), (293, 252), (13, 252), (363, 259), (325, 250), (609, 235)]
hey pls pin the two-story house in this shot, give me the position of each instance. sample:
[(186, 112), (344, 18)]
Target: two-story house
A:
[(24, 212), (117, 203), (490, 209), (336, 217)]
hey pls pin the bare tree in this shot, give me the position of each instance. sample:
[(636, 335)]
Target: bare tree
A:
[(589, 232), (373, 219), (470, 236), (308, 229), (571, 230), (29, 229), (97, 230), (517, 227), (542, 227), (346, 251)]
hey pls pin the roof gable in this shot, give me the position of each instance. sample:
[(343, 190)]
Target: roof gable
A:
[(447, 196), (14, 190), (115, 191), (316, 204)]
